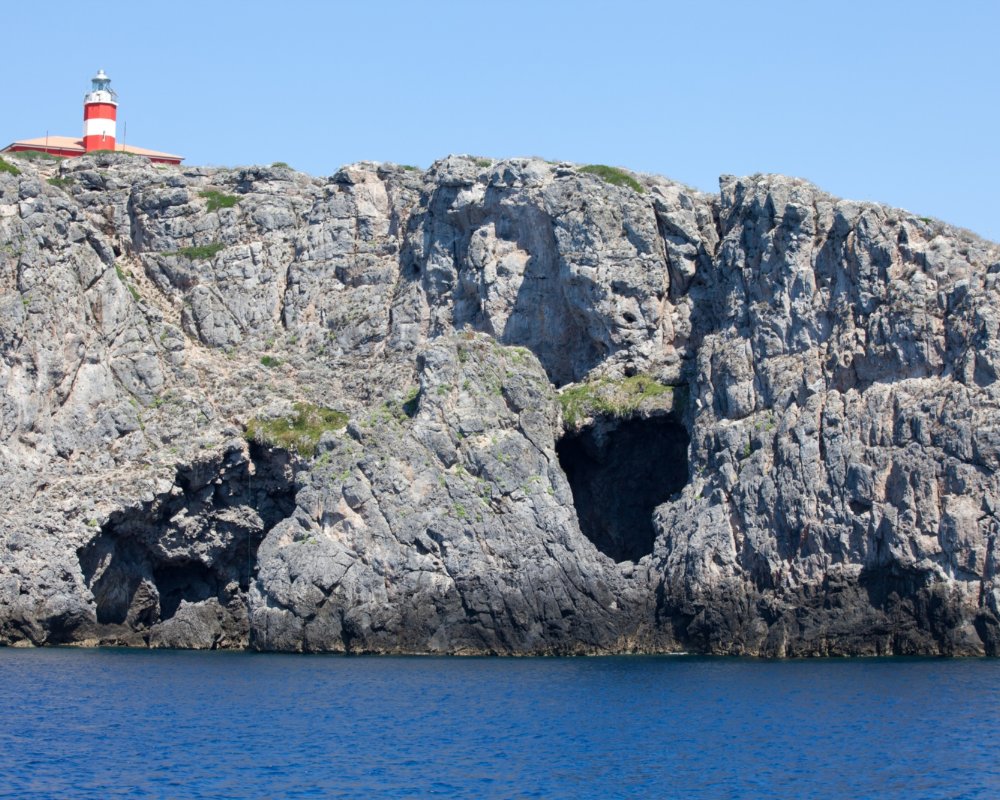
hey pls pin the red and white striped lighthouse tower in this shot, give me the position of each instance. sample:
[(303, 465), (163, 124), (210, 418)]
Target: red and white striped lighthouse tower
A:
[(100, 110)]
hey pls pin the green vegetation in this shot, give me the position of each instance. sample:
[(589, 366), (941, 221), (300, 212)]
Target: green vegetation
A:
[(608, 397), (765, 423), (62, 183), (484, 162), (299, 432), (410, 168), (217, 200), (125, 281), (111, 152), (6, 167), (614, 176), (281, 164), (35, 155), (412, 402), (517, 354), (269, 361), (202, 252), (12, 248)]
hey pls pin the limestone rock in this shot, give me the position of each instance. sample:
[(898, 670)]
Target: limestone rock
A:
[(823, 479)]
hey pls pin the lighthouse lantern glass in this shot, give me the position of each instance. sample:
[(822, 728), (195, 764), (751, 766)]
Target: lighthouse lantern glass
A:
[(101, 91)]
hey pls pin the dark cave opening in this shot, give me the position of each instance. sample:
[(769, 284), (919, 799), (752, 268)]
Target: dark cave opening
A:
[(196, 542), (619, 471), (190, 581)]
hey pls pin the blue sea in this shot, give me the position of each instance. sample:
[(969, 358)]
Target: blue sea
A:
[(116, 723)]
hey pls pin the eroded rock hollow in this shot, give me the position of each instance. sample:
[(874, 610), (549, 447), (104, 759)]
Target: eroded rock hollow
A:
[(175, 572), (620, 471)]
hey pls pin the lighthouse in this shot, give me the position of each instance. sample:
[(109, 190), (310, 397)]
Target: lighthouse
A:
[(100, 112)]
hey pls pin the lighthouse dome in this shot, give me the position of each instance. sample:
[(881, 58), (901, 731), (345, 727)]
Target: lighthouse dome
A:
[(100, 89)]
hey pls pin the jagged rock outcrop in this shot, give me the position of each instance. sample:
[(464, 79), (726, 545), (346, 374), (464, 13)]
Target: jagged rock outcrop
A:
[(582, 418)]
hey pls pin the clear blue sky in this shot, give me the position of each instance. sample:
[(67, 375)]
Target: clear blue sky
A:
[(888, 101)]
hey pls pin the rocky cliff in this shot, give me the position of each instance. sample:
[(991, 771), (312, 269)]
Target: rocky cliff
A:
[(493, 407)]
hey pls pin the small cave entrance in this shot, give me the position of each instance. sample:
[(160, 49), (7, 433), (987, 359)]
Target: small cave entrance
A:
[(619, 471), (195, 542), (191, 581)]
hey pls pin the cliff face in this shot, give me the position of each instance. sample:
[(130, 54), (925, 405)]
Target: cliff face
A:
[(577, 417)]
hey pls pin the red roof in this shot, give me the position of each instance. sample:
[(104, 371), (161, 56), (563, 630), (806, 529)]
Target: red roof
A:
[(69, 144)]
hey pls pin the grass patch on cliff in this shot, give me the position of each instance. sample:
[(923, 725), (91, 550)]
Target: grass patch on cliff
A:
[(614, 176), (7, 167), (35, 155), (60, 183), (201, 252), (216, 200), (127, 283), (300, 432), (606, 397)]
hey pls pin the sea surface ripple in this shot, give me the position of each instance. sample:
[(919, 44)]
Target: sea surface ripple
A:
[(116, 723)]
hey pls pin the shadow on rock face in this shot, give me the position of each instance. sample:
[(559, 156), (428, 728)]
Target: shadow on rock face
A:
[(196, 543), (619, 471)]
